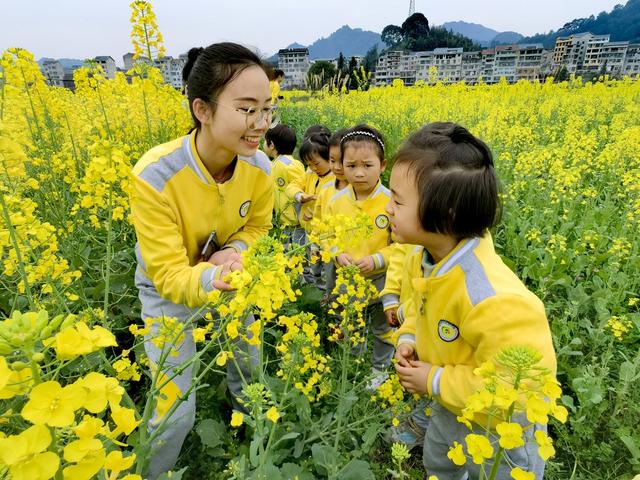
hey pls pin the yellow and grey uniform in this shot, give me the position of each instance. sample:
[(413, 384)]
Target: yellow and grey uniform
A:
[(284, 170), (176, 207), (378, 246), (462, 311), (309, 184), (397, 286)]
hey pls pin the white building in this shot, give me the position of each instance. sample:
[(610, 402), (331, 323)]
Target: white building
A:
[(472, 67), (53, 73), (571, 52), (108, 64), (530, 60), (171, 69), (448, 61), (632, 61), (294, 62)]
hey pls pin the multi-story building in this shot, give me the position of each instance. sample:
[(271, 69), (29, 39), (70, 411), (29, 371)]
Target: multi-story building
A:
[(129, 61), (607, 57), (53, 73), (506, 59), (632, 61), (530, 60), (171, 70), (294, 62), (488, 63), (472, 67), (571, 52), (396, 64), (108, 64), (448, 61)]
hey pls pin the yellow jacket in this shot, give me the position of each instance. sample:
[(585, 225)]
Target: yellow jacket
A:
[(397, 285), (379, 244), (467, 308), (284, 170), (309, 184), (176, 205)]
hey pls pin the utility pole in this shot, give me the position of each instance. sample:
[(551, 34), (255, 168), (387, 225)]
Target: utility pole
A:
[(412, 7)]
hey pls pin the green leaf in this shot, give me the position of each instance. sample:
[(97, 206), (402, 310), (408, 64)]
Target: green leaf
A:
[(627, 372), (356, 470), (291, 470), (211, 432), (173, 475), (325, 458)]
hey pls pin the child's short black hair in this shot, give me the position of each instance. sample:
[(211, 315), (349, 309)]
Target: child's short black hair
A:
[(316, 143), (316, 129), (455, 178), (363, 134), (283, 138), (336, 138)]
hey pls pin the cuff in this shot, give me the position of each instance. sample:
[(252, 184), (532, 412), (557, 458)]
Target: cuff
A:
[(297, 196), (208, 276), (433, 381), (406, 338), (378, 260), (400, 315), (238, 245), (390, 300)]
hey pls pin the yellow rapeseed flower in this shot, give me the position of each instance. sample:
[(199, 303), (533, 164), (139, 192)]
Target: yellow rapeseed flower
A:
[(25, 454), (237, 419), (53, 405)]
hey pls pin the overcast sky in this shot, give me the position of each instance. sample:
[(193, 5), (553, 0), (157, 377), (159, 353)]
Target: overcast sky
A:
[(85, 28)]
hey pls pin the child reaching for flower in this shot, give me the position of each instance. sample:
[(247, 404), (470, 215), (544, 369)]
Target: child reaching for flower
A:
[(362, 149), (466, 303)]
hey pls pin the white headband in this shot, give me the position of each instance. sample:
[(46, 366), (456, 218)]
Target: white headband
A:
[(362, 132)]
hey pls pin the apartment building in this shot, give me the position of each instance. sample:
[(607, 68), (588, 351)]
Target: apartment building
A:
[(294, 62)]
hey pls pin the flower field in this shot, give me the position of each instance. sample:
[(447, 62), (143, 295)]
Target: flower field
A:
[(76, 392)]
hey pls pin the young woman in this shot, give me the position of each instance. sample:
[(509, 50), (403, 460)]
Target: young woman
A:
[(197, 203)]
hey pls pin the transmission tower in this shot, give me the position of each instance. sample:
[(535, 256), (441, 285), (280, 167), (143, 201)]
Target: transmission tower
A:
[(412, 7)]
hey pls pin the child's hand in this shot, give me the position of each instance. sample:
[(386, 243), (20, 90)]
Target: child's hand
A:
[(344, 259), (304, 198), (414, 378), (392, 317), (366, 264), (404, 354)]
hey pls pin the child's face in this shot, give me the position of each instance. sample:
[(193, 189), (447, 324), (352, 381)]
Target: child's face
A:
[(335, 161), (362, 167), (403, 208), (318, 165)]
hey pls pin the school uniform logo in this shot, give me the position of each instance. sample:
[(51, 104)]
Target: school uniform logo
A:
[(280, 182), (244, 208), (447, 331), (382, 221)]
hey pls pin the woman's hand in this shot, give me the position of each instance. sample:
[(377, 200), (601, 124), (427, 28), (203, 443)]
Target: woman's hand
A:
[(226, 255), (305, 197), (344, 259)]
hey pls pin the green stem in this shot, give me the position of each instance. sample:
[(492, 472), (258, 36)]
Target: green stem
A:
[(16, 246), (107, 267)]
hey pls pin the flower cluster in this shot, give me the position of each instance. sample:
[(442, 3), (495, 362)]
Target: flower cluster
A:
[(515, 387)]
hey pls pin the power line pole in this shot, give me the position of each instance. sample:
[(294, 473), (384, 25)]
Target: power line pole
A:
[(412, 7)]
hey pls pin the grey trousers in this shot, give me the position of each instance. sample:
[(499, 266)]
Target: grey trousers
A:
[(442, 429), (167, 445)]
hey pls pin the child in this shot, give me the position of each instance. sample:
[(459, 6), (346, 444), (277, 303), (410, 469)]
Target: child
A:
[(314, 151), (362, 149), (280, 142), (326, 192), (467, 305)]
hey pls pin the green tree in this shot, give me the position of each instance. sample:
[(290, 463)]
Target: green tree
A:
[(321, 73), (392, 35), (371, 59)]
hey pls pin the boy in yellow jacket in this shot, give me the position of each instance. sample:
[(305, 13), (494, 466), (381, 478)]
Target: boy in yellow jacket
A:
[(279, 144)]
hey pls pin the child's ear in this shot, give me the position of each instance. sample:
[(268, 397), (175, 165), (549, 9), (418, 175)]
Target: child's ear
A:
[(383, 165)]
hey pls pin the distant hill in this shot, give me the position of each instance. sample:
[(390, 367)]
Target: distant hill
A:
[(483, 35), (623, 23), (349, 41)]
